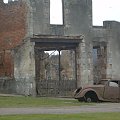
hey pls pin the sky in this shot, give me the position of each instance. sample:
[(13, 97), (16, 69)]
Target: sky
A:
[(105, 10), (102, 10)]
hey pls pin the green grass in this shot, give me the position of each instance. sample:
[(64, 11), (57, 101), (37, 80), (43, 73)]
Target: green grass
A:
[(7, 102), (85, 116)]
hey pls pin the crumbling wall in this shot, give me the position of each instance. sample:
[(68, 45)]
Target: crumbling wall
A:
[(7, 85), (23, 19), (6, 63), (24, 68), (77, 16), (77, 21), (40, 15), (100, 51), (108, 34), (16, 51), (12, 31), (12, 24), (113, 61)]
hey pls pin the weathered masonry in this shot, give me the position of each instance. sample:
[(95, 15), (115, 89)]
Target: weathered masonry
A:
[(85, 53)]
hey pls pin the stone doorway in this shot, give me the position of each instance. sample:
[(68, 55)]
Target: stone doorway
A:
[(56, 75)]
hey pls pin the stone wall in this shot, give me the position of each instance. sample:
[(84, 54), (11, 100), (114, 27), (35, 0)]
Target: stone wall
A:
[(12, 24), (12, 32), (40, 16), (23, 19), (24, 68), (100, 43), (78, 21), (71, 26), (77, 16), (7, 85), (113, 29), (109, 34)]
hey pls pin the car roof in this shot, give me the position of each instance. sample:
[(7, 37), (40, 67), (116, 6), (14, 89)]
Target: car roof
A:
[(110, 79)]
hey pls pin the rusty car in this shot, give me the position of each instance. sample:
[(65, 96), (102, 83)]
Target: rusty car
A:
[(106, 90)]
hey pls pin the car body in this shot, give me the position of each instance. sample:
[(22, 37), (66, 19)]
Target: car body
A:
[(106, 90)]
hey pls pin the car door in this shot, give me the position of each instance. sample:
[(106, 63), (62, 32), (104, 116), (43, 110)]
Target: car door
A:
[(112, 90)]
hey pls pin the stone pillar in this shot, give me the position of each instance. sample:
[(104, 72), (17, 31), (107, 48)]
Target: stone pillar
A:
[(24, 69), (109, 59), (78, 67), (90, 62), (84, 64)]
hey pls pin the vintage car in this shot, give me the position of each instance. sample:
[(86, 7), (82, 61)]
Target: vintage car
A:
[(106, 90)]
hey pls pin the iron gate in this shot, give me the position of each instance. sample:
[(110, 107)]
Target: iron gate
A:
[(63, 88)]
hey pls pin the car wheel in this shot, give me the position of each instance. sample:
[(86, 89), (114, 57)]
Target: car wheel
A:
[(91, 97), (89, 100)]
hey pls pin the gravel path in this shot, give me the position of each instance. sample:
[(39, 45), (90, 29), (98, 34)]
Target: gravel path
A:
[(100, 107)]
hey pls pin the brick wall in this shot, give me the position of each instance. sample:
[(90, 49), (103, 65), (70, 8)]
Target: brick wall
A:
[(12, 31)]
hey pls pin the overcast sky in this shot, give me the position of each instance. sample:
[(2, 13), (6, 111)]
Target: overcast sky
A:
[(102, 10), (105, 10)]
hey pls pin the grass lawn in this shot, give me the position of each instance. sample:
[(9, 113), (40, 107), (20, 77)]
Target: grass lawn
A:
[(82, 116), (7, 102)]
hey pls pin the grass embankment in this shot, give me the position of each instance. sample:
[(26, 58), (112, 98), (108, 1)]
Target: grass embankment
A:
[(7, 102), (85, 116)]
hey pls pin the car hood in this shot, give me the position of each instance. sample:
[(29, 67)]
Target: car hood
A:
[(96, 87)]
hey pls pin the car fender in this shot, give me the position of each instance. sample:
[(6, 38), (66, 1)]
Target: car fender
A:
[(83, 92)]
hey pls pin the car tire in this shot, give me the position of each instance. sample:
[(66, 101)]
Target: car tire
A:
[(89, 99)]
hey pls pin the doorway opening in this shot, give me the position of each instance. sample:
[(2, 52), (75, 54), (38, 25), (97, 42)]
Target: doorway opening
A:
[(99, 62), (56, 71)]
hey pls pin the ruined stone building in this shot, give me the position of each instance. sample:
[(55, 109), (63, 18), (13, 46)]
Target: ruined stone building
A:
[(87, 53)]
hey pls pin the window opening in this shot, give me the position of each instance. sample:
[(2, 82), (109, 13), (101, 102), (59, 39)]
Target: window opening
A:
[(113, 84), (6, 1), (56, 12)]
